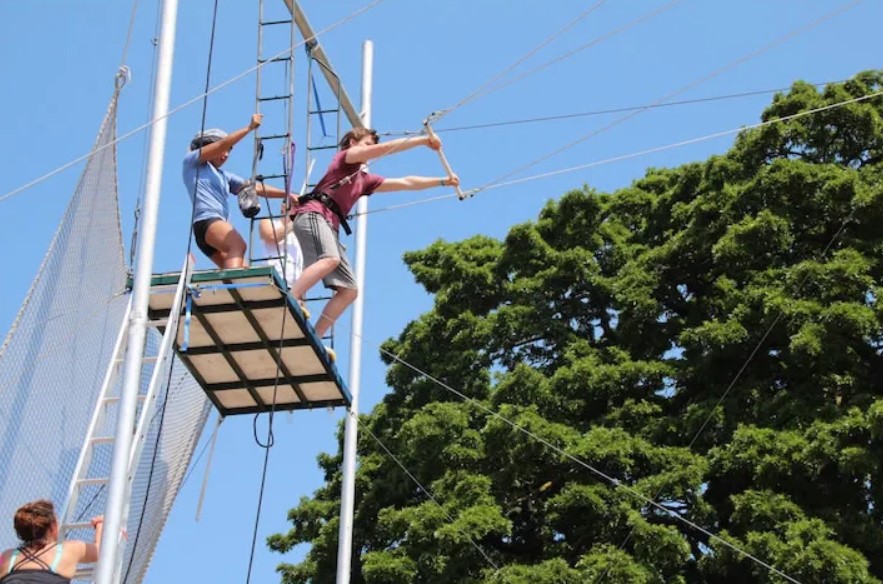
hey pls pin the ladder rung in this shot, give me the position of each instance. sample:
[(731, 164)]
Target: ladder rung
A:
[(272, 22), (144, 359), (274, 136), (329, 147), (93, 481), (84, 573), (275, 59), (274, 98), (102, 440), (272, 176), (324, 111), (115, 398)]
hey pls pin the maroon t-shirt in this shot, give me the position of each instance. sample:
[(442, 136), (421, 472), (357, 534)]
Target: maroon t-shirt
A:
[(358, 182)]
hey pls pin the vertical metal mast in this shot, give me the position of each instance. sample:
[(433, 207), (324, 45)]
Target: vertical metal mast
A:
[(348, 488), (118, 493)]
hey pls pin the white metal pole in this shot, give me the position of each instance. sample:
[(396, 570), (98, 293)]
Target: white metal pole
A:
[(118, 495), (348, 487)]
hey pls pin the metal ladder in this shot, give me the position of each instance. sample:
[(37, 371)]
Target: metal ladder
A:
[(317, 111), (271, 56), (86, 483), (263, 167)]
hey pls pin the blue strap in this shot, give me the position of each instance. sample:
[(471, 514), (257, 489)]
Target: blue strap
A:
[(319, 107), (12, 559), (54, 565)]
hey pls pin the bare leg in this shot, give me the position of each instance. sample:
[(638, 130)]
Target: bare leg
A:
[(231, 247), (311, 276), (342, 298)]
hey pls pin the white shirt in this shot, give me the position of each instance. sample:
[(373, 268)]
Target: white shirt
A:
[(290, 250)]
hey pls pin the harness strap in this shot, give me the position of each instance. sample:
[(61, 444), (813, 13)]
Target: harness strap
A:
[(29, 556), (332, 205)]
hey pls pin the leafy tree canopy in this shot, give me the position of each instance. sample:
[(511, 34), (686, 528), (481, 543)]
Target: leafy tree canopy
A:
[(612, 328)]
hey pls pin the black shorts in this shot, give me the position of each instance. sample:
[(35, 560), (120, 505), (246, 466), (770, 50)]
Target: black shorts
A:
[(199, 229)]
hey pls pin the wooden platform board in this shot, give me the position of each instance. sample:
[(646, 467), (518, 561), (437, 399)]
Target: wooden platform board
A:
[(235, 341)]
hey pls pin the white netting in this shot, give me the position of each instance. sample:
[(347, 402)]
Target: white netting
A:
[(53, 363)]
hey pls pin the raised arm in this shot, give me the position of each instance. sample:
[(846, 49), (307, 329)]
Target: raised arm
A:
[(362, 154), (209, 151), (90, 551), (416, 183), (274, 193)]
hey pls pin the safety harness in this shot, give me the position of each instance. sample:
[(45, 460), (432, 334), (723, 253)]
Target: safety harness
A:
[(331, 204)]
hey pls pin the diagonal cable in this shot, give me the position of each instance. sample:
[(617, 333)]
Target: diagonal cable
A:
[(184, 105), (425, 491), (639, 153), (592, 43), (479, 92), (616, 483), (668, 97)]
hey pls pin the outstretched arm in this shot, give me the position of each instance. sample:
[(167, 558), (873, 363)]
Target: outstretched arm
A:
[(209, 151), (416, 183), (274, 193), (362, 154)]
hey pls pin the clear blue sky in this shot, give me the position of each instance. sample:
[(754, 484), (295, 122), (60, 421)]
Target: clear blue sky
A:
[(428, 56)]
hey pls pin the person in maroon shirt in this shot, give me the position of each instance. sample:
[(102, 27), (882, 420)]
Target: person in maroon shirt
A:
[(320, 214)]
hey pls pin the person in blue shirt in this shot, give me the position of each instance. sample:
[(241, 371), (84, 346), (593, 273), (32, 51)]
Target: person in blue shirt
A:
[(210, 188)]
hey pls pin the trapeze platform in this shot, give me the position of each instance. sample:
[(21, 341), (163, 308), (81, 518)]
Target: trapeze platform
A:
[(244, 338)]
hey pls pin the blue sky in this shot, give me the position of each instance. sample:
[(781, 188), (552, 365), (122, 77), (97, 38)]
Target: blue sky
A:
[(428, 56)]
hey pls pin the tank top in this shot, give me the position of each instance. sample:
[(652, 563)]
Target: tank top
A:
[(45, 574)]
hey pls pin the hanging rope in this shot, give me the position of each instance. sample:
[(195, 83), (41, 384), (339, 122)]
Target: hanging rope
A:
[(142, 179), (189, 247)]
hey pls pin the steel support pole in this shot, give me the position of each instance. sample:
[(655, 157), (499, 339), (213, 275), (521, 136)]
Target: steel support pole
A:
[(119, 485), (350, 442)]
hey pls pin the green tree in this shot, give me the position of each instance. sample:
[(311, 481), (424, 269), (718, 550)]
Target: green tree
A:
[(613, 328)]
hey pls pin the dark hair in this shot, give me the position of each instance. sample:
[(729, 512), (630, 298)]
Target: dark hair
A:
[(357, 134), (34, 520)]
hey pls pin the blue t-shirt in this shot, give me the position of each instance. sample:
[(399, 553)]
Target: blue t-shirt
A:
[(215, 185)]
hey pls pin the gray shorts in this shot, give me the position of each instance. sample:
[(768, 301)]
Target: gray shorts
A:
[(318, 241)]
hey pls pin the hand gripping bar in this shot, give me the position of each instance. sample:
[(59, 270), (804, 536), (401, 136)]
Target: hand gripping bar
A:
[(460, 194)]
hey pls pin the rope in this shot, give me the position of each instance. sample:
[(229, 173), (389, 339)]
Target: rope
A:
[(638, 153), (288, 152), (567, 55), (183, 106), (607, 111), (129, 33), (142, 180), (778, 41), (426, 492), (478, 92), (658, 103), (189, 247), (616, 483)]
